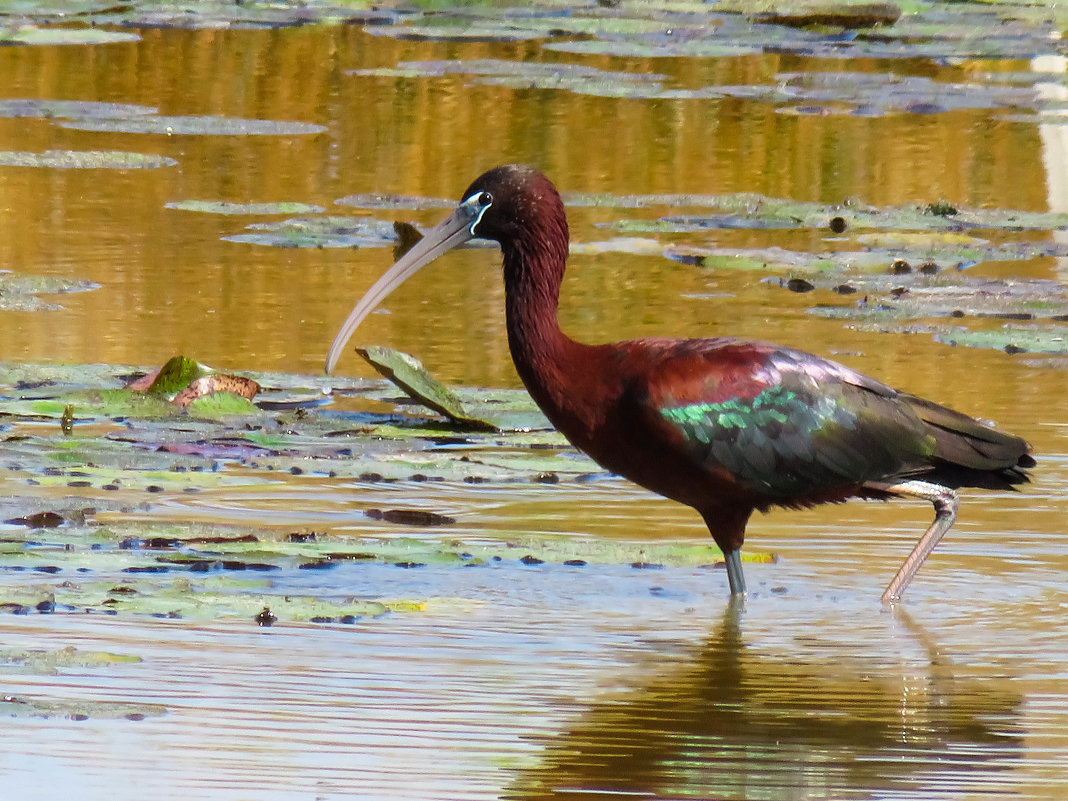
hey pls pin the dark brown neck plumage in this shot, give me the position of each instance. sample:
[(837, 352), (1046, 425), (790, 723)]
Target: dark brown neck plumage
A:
[(550, 364)]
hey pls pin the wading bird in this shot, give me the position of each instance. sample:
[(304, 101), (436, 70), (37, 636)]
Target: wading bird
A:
[(727, 426)]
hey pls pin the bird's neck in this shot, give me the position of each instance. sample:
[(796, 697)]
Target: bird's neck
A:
[(550, 363)]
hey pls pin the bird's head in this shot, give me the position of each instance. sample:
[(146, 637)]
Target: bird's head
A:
[(513, 204)]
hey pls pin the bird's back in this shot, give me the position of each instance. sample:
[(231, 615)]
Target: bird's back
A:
[(739, 422)]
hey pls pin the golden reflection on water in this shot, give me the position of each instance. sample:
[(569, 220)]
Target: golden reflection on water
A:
[(731, 723), (169, 283)]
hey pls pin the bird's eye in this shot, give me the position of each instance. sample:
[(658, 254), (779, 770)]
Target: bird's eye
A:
[(484, 198)]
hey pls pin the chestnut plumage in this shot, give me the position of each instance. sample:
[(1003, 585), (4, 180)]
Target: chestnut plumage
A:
[(727, 426)]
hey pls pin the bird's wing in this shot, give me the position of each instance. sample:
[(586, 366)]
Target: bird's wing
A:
[(782, 423)]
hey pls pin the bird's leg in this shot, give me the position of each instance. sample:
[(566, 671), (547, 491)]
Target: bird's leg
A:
[(945, 504), (727, 527), (735, 576)]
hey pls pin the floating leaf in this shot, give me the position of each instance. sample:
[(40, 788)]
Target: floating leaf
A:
[(319, 232), (216, 14), (821, 12), (1009, 338), (145, 434), (48, 109), (634, 245), (32, 35), (194, 126), (19, 291), (918, 295), (217, 383), (44, 662), (772, 258), (531, 75), (174, 376), (52, 8), (919, 240), (408, 373), (84, 160), (451, 33), (74, 709), (226, 207), (703, 47), (393, 202)]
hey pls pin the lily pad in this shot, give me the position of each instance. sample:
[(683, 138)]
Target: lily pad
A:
[(84, 160), (661, 47), (18, 706), (248, 14), (1009, 338), (187, 601), (181, 384), (200, 390), (319, 232), (220, 404), (750, 210), (49, 109), (828, 13), (142, 443), (217, 384), (227, 207), (193, 126), (44, 662), (20, 291), (174, 376), (871, 94), (772, 258), (33, 35), (408, 373), (444, 30), (837, 30), (531, 75), (393, 202), (918, 296), (52, 8)]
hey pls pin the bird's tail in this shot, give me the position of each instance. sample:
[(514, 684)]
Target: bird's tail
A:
[(969, 453)]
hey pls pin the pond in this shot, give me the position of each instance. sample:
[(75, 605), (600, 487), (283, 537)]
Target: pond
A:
[(487, 615)]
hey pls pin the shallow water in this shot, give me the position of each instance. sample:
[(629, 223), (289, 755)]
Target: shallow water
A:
[(540, 681)]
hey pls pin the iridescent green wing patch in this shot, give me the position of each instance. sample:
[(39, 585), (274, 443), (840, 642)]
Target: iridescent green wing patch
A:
[(794, 438), (701, 421)]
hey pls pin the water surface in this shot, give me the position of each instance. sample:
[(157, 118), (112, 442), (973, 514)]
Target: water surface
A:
[(540, 681)]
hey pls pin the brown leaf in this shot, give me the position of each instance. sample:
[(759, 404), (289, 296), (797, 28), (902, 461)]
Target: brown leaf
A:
[(209, 384), (144, 382)]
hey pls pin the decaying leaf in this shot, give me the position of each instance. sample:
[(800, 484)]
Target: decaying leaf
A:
[(186, 382), (211, 384)]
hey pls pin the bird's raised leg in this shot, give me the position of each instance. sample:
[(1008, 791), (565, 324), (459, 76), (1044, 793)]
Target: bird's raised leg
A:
[(945, 504)]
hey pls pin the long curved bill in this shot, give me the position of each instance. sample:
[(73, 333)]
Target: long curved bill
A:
[(454, 230)]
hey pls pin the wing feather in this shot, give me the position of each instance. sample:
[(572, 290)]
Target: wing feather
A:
[(782, 423)]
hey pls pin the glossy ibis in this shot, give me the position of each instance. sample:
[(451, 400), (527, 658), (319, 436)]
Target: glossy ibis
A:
[(727, 426)]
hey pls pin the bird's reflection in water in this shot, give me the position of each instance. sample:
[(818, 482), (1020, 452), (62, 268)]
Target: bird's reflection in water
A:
[(730, 723)]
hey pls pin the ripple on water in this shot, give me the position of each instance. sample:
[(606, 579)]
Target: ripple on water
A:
[(547, 682)]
